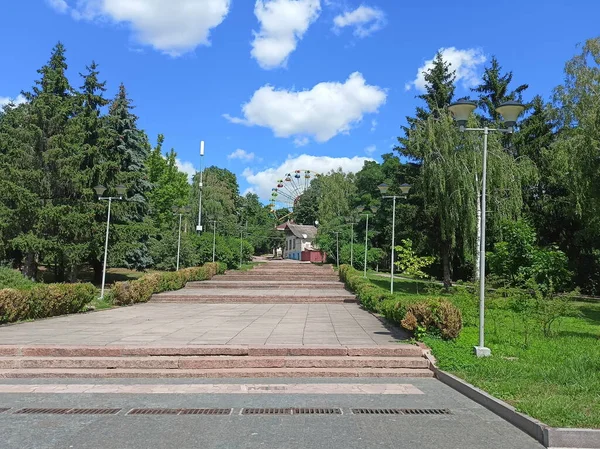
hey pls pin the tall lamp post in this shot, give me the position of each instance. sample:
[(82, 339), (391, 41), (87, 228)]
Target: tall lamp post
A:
[(351, 222), (404, 189), (100, 189), (510, 111), (337, 249), (214, 222), (199, 227), (241, 214), (360, 210), (179, 211)]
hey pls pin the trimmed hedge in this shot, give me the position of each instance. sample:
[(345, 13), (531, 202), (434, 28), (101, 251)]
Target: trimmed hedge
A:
[(436, 316), (142, 289), (44, 301)]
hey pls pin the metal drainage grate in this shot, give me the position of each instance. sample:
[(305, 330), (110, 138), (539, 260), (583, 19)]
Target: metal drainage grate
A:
[(68, 411), (317, 411), (266, 411), (153, 411), (206, 411), (180, 411), (401, 411), (94, 411), (42, 411), (2, 410), (292, 411)]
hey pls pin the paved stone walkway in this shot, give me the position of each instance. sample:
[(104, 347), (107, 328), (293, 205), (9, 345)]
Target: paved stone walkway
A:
[(469, 426), (208, 324)]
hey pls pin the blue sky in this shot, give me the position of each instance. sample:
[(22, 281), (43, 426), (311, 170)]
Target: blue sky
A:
[(277, 85)]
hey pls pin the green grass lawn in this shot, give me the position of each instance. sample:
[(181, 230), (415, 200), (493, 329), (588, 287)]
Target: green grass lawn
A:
[(87, 275), (555, 379), (248, 266)]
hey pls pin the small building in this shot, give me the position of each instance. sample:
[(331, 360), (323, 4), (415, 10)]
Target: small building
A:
[(299, 239)]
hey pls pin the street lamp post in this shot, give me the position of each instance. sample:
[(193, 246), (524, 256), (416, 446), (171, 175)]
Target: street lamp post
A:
[(350, 221), (360, 210), (241, 245), (461, 110), (199, 227), (100, 189), (404, 189), (242, 241), (179, 211), (352, 244), (337, 249), (214, 222)]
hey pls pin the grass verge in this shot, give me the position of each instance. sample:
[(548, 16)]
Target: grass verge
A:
[(555, 379)]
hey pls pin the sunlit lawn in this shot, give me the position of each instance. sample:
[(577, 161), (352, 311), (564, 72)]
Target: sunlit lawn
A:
[(554, 379)]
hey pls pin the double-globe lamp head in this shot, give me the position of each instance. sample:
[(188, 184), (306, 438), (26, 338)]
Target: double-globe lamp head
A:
[(404, 188), (180, 210), (120, 189), (361, 208), (509, 110)]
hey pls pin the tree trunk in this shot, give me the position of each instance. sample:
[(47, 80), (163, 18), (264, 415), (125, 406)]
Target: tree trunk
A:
[(97, 266), (30, 266), (446, 264), (72, 274), (61, 270)]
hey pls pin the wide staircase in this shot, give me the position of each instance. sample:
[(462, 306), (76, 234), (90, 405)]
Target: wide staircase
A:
[(273, 283), (223, 361), (267, 283)]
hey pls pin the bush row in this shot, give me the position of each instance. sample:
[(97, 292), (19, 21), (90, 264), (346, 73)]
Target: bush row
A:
[(44, 301), (142, 289), (436, 316)]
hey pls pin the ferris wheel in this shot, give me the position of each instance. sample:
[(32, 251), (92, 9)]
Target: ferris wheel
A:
[(288, 190)]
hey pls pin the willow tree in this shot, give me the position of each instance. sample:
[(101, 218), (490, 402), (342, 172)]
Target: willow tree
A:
[(575, 165), (450, 183), (578, 107)]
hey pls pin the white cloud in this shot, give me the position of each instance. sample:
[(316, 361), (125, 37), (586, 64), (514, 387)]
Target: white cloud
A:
[(263, 181), (60, 6), (282, 24), (301, 141), (186, 167), (365, 20), (174, 27), (328, 109), (373, 125), (242, 155), (370, 149), (19, 99), (465, 62)]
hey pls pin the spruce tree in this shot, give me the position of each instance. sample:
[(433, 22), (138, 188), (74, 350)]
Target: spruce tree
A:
[(495, 90), (126, 149), (50, 106)]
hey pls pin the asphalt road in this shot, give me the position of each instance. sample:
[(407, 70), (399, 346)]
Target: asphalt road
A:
[(468, 426)]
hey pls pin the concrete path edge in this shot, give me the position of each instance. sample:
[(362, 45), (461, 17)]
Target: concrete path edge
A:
[(550, 437)]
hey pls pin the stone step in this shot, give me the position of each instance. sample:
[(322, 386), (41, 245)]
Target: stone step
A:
[(224, 299), (215, 373), (277, 277), (291, 274), (258, 285), (397, 350), (290, 270), (209, 362)]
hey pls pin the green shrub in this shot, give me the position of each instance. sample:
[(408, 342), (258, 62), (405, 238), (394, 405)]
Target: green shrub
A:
[(10, 278), (517, 261), (142, 289), (434, 316), (44, 300)]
